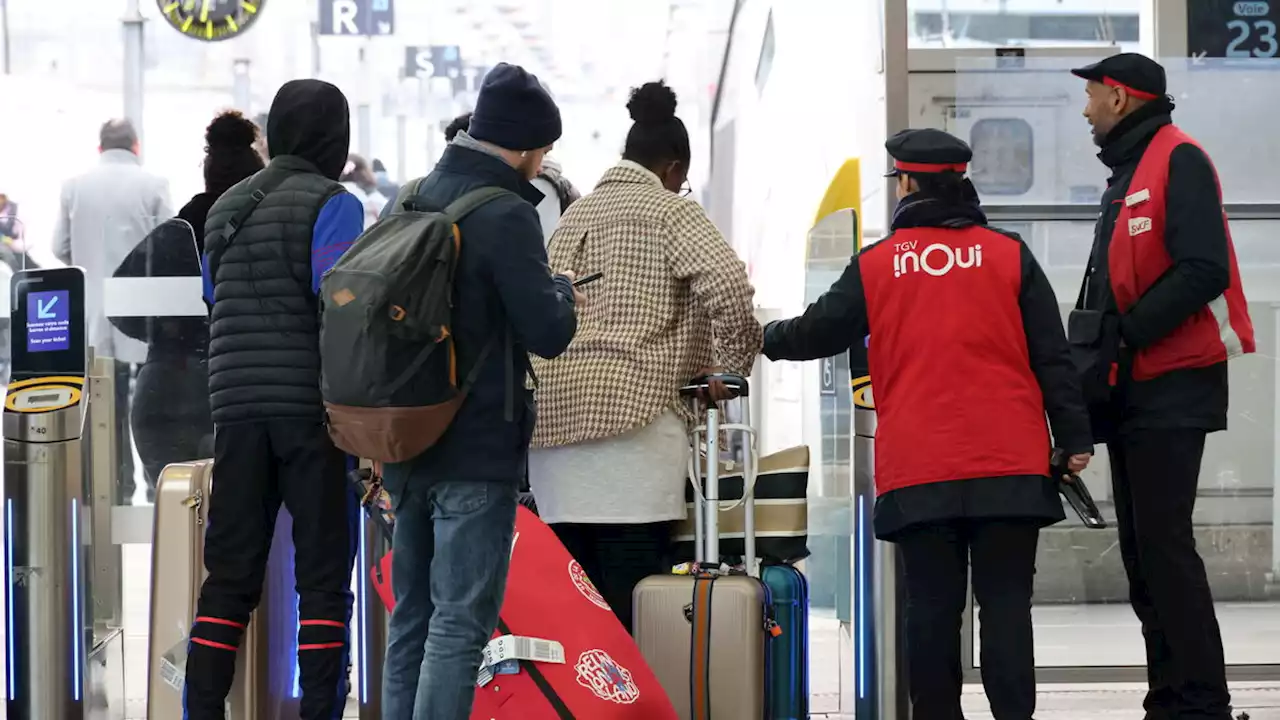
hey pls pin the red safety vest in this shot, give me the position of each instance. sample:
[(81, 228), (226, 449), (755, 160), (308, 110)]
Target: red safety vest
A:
[(1138, 257), (955, 394)]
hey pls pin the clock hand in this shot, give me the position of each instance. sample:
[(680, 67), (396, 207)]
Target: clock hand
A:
[(204, 10)]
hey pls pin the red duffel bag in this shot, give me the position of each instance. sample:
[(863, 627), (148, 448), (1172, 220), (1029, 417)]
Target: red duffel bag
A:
[(548, 596)]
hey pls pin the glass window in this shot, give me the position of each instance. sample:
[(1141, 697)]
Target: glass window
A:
[(1003, 156), (943, 23)]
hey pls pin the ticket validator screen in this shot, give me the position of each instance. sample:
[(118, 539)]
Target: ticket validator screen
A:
[(48, 323)]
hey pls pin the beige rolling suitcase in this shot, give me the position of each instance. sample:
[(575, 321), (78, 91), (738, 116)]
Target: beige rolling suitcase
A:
[(263, 689), (706, 635)]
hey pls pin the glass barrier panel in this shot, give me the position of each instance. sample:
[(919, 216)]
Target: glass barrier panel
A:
[(827, 430), (150, 319), (13, 257), (1081, 611), (149, 330)]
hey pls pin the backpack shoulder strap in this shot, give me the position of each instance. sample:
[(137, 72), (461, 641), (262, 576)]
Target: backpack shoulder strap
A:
[(407, 191), (262, 187), (472, 200)]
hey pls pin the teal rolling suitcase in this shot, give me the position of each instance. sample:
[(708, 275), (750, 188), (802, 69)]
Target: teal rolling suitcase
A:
[(788, 672)]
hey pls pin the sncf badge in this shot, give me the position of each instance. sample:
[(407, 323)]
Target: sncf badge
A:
[(936, 259)]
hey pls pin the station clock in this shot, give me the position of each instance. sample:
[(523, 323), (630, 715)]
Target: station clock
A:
[(211, 20)]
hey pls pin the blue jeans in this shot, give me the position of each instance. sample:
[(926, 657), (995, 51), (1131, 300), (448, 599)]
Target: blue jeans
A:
[(449, 572)]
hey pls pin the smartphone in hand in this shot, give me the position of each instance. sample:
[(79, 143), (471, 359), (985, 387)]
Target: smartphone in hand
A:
[(587, 279)]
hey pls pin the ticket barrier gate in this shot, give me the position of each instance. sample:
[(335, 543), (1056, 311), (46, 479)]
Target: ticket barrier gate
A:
[(880, 669), (61, 651)]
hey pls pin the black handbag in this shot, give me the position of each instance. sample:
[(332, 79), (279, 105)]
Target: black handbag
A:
[(1094, 337)]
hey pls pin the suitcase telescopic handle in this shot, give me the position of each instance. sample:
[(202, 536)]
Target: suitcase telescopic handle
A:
[(736, 384), (706, 443)]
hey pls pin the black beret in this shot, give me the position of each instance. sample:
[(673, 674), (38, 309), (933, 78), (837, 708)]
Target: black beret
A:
[(928, 151), (1141, 76)]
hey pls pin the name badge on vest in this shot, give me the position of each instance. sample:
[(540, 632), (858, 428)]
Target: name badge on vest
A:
[(1139, 197), (1139, 225)]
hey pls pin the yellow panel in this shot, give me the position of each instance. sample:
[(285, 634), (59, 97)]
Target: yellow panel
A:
[(72, 398), (845, 193), (51, 380)]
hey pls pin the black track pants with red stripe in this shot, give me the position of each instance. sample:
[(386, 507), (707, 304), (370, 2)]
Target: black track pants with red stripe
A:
[(258, 466)]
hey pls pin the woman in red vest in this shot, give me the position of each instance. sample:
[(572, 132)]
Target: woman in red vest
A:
[(1160, 313), (967, 356)]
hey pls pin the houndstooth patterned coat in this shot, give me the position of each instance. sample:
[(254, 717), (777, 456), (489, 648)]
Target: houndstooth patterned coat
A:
[(674, 299)]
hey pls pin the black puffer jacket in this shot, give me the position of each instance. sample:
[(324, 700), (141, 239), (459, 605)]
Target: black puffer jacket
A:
[(264, 360)]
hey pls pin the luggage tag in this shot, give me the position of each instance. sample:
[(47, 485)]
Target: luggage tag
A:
[(510, 666)]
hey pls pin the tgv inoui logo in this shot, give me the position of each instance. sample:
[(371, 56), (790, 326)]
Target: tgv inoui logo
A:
[(936, 259)]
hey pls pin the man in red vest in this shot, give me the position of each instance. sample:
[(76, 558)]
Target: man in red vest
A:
[(1160, 313)]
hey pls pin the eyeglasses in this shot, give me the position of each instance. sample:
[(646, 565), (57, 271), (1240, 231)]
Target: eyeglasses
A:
[(686, 189)]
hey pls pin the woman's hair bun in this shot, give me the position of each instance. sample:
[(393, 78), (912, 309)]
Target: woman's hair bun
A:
[(231, 130), (652, 103)]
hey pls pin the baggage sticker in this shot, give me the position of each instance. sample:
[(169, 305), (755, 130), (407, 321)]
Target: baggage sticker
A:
[(605, 678), (1139, 225), (585, 586), (1139, 197)]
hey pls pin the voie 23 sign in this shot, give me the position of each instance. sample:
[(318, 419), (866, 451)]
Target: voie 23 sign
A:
[(1233, 29)]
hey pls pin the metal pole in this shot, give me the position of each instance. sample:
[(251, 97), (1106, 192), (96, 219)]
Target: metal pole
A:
[(241, 88), (402, 145), (1275, 472), (364, 111), (133, 64), (4, 18)]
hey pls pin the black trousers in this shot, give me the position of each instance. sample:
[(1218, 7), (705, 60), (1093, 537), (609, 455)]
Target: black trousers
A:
[(257, 466), (617, 557), (125, 482), (936, 559), (1155, 474), (172, 421)]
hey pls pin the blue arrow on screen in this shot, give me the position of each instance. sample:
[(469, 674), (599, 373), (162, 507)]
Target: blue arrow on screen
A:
[(45, 311)]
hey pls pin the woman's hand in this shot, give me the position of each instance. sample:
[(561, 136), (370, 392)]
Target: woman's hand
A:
[(716, 390), (1078, 462)]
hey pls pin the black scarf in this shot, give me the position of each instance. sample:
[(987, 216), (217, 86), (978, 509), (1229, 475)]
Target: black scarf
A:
[(921, 210)]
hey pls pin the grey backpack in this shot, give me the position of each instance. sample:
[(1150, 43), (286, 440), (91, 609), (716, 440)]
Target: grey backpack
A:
[(389, 370)]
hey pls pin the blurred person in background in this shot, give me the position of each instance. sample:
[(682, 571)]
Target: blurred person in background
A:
[(104, 214), (358, 179), (13, 248), (611, 447), (383, 180), (557, 192), (172, 421)]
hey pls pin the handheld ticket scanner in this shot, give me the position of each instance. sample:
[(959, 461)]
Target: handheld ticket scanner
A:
[(46, 632)]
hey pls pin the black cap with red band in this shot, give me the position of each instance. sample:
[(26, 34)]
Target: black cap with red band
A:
[(927, 151), (1139, 75)]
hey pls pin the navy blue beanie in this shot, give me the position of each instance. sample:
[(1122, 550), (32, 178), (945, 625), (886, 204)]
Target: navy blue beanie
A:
[(514, 111)]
